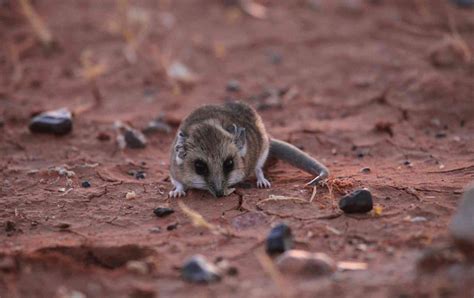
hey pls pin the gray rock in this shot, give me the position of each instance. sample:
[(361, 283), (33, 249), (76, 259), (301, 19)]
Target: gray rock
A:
[(358, 201), (134, 139), (462, 225), (280, 239), (58, 122), (199, 270)]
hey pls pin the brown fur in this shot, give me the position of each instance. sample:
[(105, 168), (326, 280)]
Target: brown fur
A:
[(207, 139)]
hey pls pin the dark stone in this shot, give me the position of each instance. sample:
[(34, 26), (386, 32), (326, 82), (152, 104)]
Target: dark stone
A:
[(134, 138), (58, 122), (462, 225), (163, 211), (463, 3), (199, 270), (233, 86), (359, 201), (365, 170), (362, 152), (280, 239), (172, 227), (137, 174), (86, 184), (140, 175), (441, 134)]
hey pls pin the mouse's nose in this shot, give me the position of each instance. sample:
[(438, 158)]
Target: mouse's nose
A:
[(219, 193)]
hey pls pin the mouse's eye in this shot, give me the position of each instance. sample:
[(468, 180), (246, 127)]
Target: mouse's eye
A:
[(201, 168), (228, 165)]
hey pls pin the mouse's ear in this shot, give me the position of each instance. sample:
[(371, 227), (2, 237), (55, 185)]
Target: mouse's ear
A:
[(180, 147), (239, 138)]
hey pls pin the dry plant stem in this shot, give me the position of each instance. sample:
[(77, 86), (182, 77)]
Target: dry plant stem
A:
[(313, 194), (270, 268), (199, 221), (40, 29), (470, 167), (457, 36)]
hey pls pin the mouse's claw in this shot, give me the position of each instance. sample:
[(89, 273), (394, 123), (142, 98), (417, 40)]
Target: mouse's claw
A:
[(177, 193), (263, 183)]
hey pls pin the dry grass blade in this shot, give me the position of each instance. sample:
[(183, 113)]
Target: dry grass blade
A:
[(352, 266), (270, 268), (90, 72), (313, 194), (39, 27), (199, 221)]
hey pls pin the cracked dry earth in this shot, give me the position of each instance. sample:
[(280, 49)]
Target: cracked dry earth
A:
[(368, 90)]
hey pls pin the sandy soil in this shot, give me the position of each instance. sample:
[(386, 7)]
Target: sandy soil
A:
[(387, 85)]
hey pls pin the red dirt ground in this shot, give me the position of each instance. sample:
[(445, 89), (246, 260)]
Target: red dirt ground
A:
[(375, 84)]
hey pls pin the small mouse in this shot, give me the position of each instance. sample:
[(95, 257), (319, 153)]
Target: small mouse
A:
[(218, 146)]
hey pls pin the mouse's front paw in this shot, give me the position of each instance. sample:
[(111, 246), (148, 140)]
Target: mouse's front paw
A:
[(263, 183), (177, 193)]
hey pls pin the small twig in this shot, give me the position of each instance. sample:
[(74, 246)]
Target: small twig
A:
[(313, 194), (106, 178), (40, 29), (270, 268), (199, 221), (452, 170), (94, 195)]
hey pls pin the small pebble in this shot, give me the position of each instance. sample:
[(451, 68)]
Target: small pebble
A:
[(225, 267), (58, 122), (139, 267), (418, 219), (307, 263), (155, 230), (441, 134), (232, 86), (365, 170), (86, 184), (134, 139), (359, 201), (103, 136), (130, 195), (275, 58), (172, 227), (280, 239), (157, 125), (197, 269), (181, 73), (137, 174), (163, 211)]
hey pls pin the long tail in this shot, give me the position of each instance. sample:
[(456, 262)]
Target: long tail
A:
[(299, 159)]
